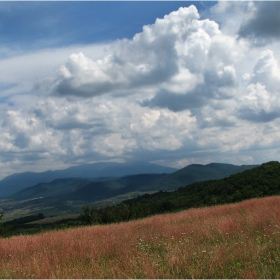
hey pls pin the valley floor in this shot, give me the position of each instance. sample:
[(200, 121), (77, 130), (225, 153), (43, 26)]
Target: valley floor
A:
[(239, 240)]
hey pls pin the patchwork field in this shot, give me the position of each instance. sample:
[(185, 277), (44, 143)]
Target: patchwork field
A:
[(231, 241)]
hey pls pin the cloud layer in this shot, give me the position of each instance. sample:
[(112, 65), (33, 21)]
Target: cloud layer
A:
[(183, 90)]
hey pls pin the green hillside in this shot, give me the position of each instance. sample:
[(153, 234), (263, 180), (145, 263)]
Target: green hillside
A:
[(54, 188), (95, 191), (258, 182)]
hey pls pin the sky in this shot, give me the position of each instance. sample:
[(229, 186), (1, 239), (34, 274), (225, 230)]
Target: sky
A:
[(171, 83)]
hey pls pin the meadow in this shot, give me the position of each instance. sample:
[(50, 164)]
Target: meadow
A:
[(239, 240)]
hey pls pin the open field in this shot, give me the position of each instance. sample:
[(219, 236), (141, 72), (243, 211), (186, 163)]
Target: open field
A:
[(231, 241)]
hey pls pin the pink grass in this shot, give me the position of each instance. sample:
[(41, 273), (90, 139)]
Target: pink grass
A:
[(231, 241)]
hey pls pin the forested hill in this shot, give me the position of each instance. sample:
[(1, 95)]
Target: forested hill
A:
[(195, 173), (261, 181), (257, 182)]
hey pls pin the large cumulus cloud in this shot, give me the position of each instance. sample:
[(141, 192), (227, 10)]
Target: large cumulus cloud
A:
[(182, 60), (179, 48), (148, 59)]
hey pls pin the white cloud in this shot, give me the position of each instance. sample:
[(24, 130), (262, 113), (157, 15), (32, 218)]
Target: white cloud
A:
[(21, 73), (267, 71), (261, 100), (161, 130)]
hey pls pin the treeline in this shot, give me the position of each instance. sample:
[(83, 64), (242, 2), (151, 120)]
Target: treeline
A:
[(2, 227), (120, 212), (21, 226), (26, 219), (16, 226)]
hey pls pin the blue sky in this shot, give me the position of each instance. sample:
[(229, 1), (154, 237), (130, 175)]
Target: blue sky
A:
[(171, 83), (35, 25)]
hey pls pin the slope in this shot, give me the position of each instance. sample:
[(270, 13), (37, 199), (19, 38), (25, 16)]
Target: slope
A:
[(195, 173), (237, 241), (55, 188), (95, 191)]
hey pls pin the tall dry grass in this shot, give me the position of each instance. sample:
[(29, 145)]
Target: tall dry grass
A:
[(231, 241)]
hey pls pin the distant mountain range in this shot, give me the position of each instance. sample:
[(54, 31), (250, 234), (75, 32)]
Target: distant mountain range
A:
[(19, 181), (103, 184)]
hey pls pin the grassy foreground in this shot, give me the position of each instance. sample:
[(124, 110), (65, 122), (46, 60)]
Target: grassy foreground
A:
[(231, 241)]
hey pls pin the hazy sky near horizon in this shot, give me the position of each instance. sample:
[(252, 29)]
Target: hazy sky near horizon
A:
[(171, 83)]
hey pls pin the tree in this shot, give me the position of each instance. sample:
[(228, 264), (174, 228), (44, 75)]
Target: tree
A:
[(2, 227), (89, 215)]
